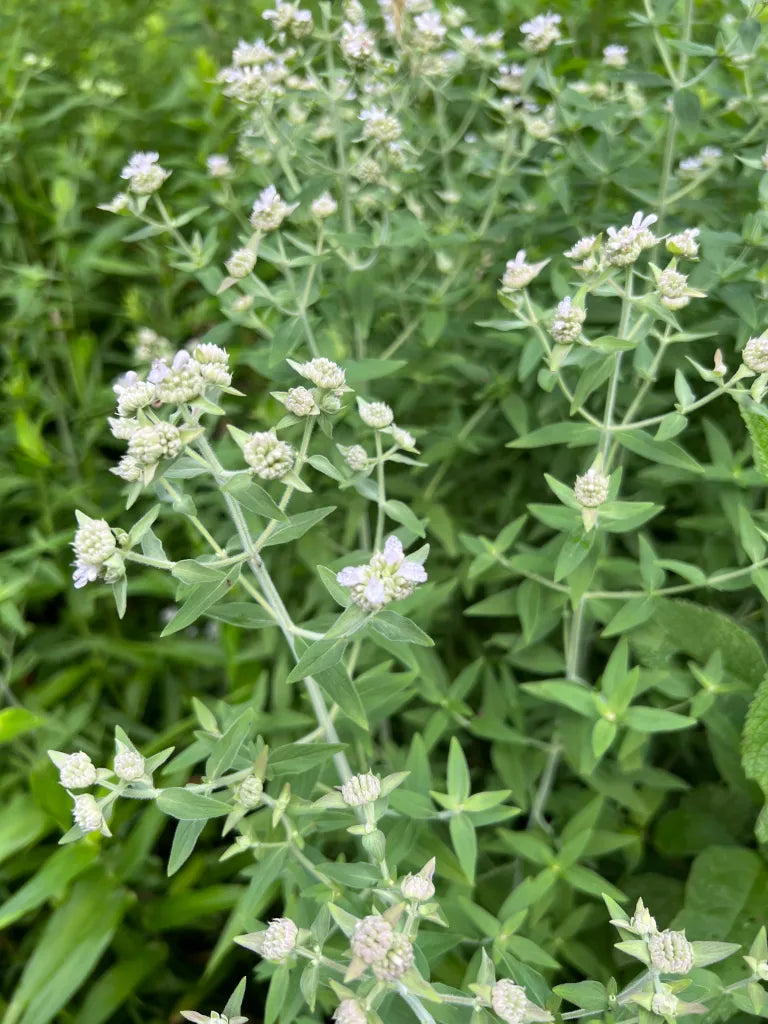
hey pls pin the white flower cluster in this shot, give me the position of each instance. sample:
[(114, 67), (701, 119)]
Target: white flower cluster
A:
[(279, 940), (615, 56), (755, 354), (218, 166), (519, 273), (672, 288), (622, 246), (270, 210), (257, 73), (684, 244), (144, 174), (419, 887), (268, 456), (707, 158), (566, 324), (388, 576), (96, 553), (591, 489), (670, 952), (148, 345), (541, 32), (77, 771), (358, 43), (509, 1001), (290, 18), (387, 952), (349, 1011)]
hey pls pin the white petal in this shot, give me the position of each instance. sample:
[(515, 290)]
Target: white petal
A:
[(393, 551), (413, 572), (374, 592), (351, 576)]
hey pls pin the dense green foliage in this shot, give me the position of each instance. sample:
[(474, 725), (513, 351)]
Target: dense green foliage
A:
[(594, 676)]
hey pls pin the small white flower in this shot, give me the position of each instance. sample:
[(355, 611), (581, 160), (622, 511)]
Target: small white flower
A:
[(670, 952), (375, 414), (270, 210), (129, 765), (144, 174), (624, 245), (755, 354), (279, 939), (566, 325), (128, 469), (368, 171), (372, 937), (241, 263), (509, 1001), (361, 789), (324, 206), (710, 156), (122, 427), (519, 274), (690, 167), (269, 457), (511, 77), (257, 52), (211, 1018), (672, 288), (289, 17), (323, 373), (541, 32), (396, 961), (615, 56), (403, 438), (584, 248), (591, 489), (87, 814), (77, 771), (218, 165)]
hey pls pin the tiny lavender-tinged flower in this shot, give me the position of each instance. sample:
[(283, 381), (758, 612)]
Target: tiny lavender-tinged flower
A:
[(361, 789), (509, 1001), (269, 457), (615, 56), (218, 165)]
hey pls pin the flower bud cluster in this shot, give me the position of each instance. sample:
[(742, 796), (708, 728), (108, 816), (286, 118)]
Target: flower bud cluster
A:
[(387, 952), (268, 456), (388, 576), (509, 1001), (279, 940), (670, 952), (755, 354), (270, 210), (566, 325), (591, 489), (148, 345), (361, 789), (519, 273), (96, 554)]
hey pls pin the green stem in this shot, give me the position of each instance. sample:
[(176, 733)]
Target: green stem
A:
[(381, 494)]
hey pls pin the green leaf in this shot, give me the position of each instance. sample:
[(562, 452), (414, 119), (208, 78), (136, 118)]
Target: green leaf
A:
[(339, 687), (187, 806), (227, 747), (754, 745), (17, 721), (202, 597), (458, 780), (243, 614), (184, 839), (571, 695), (321, 654), (464, 843), (50, 881), (667, 453), (656, 720), (757, 425), (296, 526), (687, 107), (255, 499), (396, 627), (295, 758), (588, 995)]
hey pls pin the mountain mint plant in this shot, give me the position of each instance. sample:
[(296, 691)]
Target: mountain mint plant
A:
[(431, 514)]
